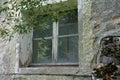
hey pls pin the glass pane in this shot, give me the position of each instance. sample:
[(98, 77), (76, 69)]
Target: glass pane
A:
[(45, 30), (68, 49), (42, 51), (67, 29), (69, 24)]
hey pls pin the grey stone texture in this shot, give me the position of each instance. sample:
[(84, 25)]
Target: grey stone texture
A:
[(97, 18), (105, 19), (105, 16)]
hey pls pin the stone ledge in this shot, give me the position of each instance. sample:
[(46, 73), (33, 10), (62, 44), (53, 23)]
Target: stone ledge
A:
[(49, 70)]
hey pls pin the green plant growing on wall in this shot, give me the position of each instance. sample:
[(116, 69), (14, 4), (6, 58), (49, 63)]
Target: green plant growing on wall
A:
[(21, 16)]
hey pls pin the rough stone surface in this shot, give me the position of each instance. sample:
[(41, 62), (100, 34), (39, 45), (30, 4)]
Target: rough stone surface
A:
[(97, 18), (105, 16), (4, 59), (86, 54), (105, 20)]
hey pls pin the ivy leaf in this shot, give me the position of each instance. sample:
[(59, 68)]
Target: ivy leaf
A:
[(5, 2), (3, 32)]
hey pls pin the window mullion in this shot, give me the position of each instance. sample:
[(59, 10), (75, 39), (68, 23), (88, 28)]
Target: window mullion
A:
[(55, 42)]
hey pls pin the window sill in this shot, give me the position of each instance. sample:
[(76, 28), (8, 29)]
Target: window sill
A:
[(55, 65), (49, 70)]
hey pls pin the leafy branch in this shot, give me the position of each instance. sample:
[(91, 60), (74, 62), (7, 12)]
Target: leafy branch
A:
[(21, 16)]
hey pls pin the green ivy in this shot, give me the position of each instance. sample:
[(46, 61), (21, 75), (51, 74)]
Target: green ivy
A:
[(27, 14)]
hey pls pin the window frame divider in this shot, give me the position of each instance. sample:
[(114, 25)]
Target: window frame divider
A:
[(55, 42)]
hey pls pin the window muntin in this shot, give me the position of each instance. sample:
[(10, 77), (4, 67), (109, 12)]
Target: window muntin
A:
[(60, 42)]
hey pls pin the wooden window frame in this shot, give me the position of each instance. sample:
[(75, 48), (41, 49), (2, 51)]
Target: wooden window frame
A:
[(55, 36)]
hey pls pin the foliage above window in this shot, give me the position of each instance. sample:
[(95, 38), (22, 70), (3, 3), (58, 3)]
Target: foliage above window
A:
[(22, 16)]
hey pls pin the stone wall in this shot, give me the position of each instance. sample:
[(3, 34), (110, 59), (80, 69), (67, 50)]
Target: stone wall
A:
[(105, 19), (96, 18)]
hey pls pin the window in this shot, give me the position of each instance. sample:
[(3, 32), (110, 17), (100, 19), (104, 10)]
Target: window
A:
[(57, 44)]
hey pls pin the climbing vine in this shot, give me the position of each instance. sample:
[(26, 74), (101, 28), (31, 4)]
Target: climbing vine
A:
[(21, 16)]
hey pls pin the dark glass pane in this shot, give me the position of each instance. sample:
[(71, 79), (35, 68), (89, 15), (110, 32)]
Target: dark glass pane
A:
[(45, 28), (68, 50), (42, 51), (70, 28), (69, 24)]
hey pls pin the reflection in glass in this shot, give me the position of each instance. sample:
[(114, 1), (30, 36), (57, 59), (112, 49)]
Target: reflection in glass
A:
[(67, 29), (69, 24), (42, 51), (44, 27), (68, 49)]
